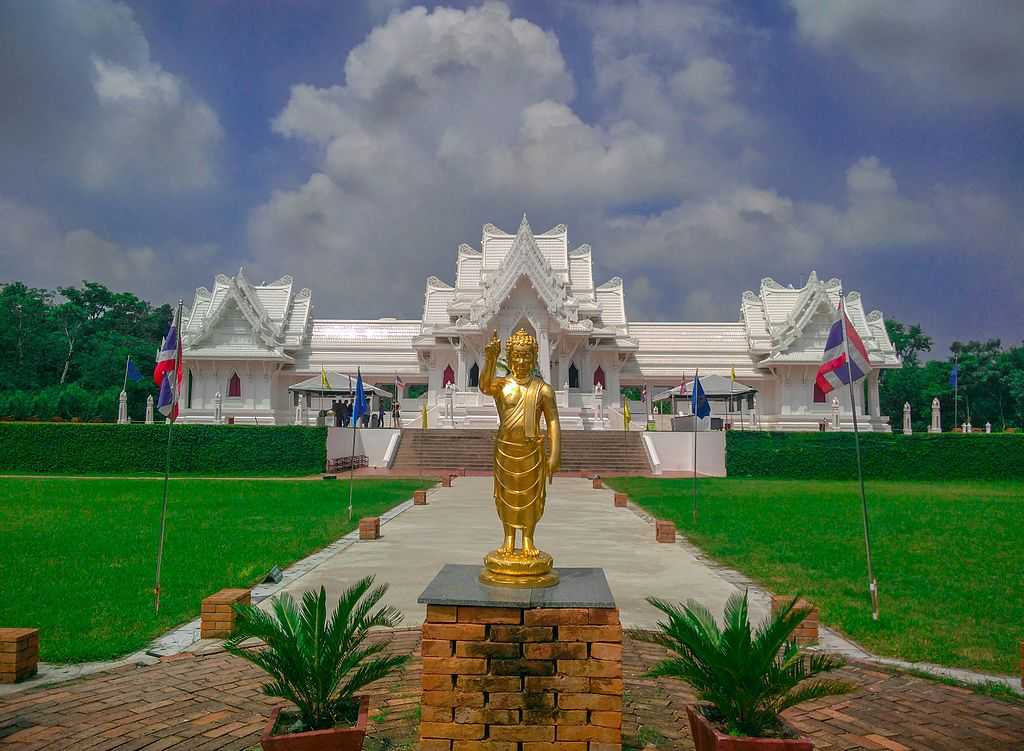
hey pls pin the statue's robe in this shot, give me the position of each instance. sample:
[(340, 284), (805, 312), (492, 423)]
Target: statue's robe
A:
[(519, 465)]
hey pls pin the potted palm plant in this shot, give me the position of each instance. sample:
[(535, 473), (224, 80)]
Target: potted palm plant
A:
[(318, 664), (746, 677)]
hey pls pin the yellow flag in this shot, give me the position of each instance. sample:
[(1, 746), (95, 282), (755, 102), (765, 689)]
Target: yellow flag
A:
[(424, 414), (732, 373), (626, 416), (324, 383)]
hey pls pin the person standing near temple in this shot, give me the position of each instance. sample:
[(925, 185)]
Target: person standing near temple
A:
[(396, 413), (380, 412)]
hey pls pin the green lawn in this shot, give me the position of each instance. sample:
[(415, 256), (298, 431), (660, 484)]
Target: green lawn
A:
[(77, 557), (949, 557)]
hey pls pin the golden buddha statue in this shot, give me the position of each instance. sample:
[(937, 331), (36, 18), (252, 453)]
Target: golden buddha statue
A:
[(521, 471)]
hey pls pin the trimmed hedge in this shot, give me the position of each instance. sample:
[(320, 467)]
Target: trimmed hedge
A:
[(886, 456), (128, 449)]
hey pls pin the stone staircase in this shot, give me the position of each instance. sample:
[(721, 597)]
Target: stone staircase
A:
[(608, 451)]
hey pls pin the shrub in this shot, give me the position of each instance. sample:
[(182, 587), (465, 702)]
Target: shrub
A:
[(138, 448), (886, 456)]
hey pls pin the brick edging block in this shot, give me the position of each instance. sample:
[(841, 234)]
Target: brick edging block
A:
[(806, 632), (369, 528), (217, 617), (19, 654), (664, 531), (621, 500), (597, 483), (419, 497)]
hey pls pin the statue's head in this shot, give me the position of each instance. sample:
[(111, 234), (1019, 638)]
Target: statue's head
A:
[(522, 353)]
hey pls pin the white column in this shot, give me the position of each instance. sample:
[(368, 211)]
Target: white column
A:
[(873, 398), (460, 367), (907, 430), (122, 408), (149, 409), (544, 354), (936, 426)]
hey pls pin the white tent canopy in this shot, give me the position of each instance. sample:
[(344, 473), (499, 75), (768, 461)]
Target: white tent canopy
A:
[(715, 386), (340, 384)]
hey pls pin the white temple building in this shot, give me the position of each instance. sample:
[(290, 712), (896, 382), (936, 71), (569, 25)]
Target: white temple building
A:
[(246, 343)]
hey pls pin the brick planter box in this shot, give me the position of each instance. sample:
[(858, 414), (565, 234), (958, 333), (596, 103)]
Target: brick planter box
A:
[(621, 500), (369, 528), (598, 483), (217, 620), (510, 678), (807, 632), (19, 654), (664, 531), (419, 497)]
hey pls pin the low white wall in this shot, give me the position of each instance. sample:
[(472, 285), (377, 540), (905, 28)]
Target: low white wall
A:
[(675, 451), (371, 442)]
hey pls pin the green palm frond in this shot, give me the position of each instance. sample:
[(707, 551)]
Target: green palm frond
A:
[(316, 660), (749, 675)]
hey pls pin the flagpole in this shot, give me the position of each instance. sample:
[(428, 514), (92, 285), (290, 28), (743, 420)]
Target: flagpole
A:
[(956, 390), (352, 455), (693, 393), (124, 385), (167, 470), (872, 583)]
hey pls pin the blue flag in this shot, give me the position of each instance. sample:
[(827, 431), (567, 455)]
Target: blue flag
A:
[(133, 372), (699, 404), (359, 405), (953, 375)]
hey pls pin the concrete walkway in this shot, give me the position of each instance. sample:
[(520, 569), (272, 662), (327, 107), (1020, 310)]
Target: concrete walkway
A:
[(581, 527)]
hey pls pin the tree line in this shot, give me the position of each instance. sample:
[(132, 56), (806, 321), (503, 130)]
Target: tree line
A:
[(990, 382), (63, 351)]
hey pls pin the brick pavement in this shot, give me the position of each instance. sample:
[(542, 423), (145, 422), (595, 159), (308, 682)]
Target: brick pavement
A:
[(213, 701)]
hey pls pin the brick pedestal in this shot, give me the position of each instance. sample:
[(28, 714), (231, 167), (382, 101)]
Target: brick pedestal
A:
[(807, 632), (369, 528), (446, 481), (621, 500), (664, 531), (598, 484), (217, 620), (419, 497), (522, 678), (19, 653)]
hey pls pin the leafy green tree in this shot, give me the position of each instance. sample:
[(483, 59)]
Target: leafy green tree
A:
[(75, 337), (909, 341)]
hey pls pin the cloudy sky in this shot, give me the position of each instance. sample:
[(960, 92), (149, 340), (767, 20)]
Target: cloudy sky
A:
[(697, 146)]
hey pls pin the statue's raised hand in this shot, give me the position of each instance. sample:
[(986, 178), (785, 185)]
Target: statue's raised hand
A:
[(493, 347)]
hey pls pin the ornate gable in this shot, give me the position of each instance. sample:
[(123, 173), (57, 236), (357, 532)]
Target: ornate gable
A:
[(237, 294), (525, 260)]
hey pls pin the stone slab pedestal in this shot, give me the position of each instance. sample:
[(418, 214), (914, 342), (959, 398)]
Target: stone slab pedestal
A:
[(806, 632), (19, 654), (217, 618), (509, 669)]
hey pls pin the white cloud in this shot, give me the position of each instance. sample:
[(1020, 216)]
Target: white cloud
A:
[(443, 117), (942, 50), (94, 107), (36, 250)]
